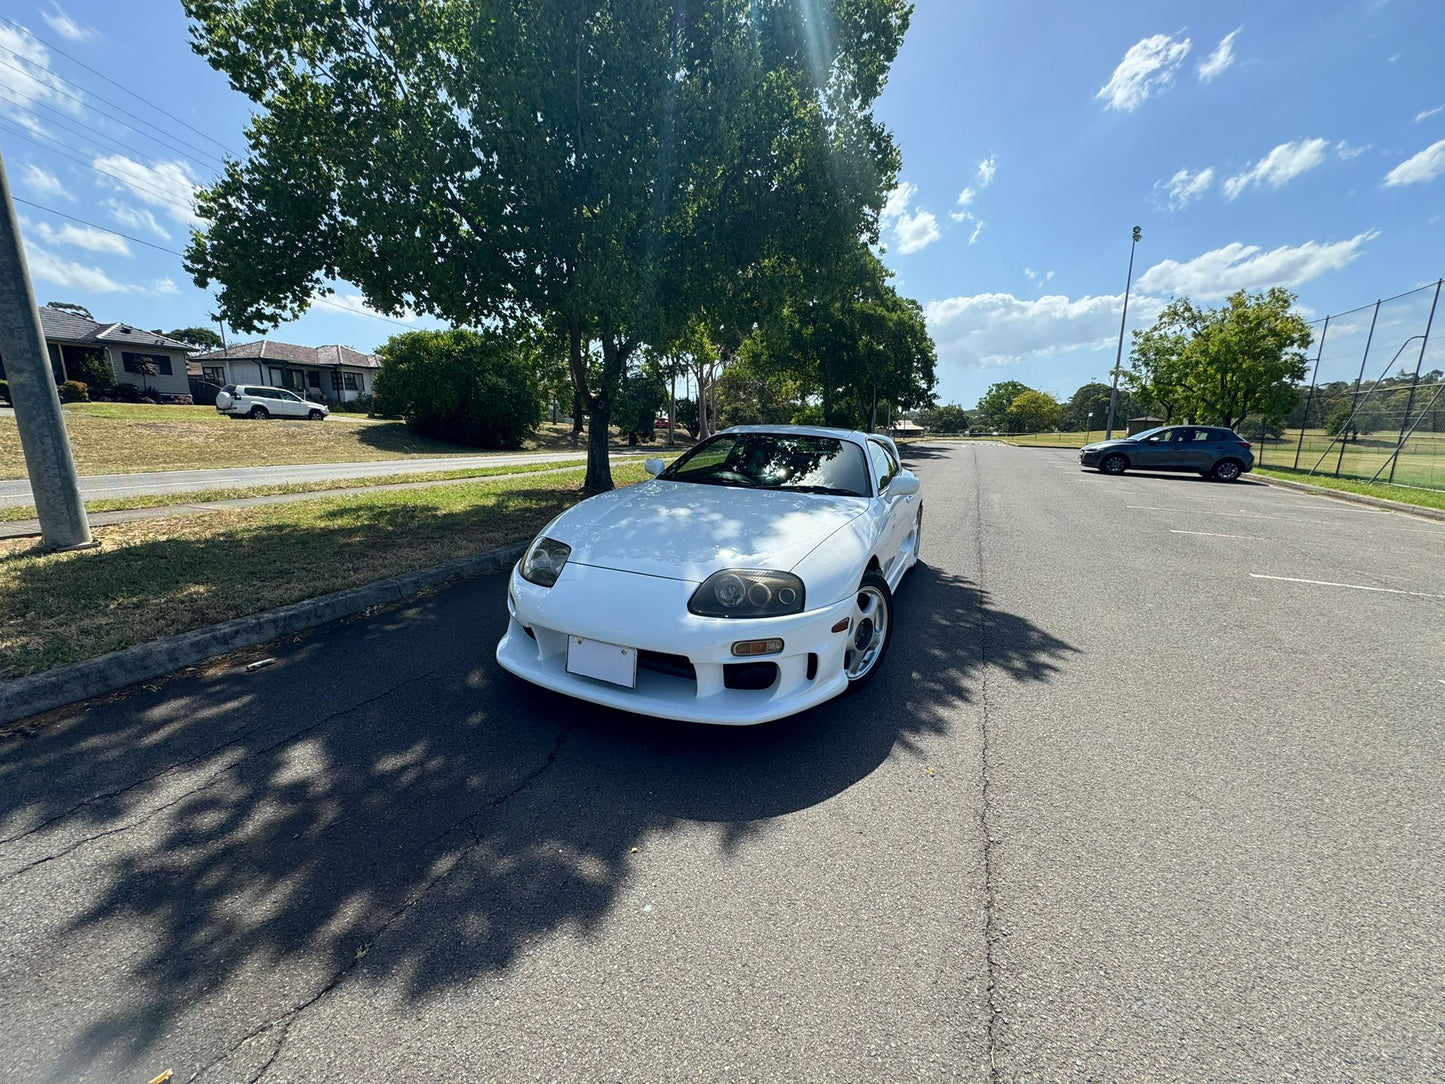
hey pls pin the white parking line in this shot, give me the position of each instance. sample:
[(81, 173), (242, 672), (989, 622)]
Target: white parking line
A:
[(1351, 586), (1212, 534)]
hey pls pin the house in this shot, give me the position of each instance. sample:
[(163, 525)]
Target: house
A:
[(338, 373), (134, 356)]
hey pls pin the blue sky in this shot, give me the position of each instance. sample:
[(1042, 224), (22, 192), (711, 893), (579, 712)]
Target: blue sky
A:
[(1291, 143)]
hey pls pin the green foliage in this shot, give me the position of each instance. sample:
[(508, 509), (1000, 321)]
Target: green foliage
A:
[(1218, 366), (1032, 412), (73, 391), (70, 306), (1094, 398), (640, 398), (92, 370), (468, 387), (5, 390), (949, 418), (994, 406), (202, 338), (605, 171)]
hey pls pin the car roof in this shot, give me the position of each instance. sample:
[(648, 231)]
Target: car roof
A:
[(803, 431)]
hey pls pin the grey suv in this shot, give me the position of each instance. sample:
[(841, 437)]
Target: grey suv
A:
[(1211, 451)]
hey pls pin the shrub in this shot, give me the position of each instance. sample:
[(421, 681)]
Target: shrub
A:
[(470, 387), (5, 390), (73, 391), (125, 393), (92, 370)]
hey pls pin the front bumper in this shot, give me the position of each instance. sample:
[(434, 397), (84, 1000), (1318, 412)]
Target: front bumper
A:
[(650, 614), (1088, 458)]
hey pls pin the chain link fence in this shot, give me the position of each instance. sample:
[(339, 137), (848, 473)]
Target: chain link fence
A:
[(1374, 409)]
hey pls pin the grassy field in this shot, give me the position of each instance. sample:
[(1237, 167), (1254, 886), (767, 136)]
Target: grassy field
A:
[(158, 577), (1425, 498), (123, 438)]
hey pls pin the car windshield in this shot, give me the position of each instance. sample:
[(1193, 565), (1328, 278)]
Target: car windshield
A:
[(809, 464), (1147, 433)]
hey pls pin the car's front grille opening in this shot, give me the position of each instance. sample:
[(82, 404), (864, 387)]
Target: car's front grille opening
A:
[(812, 665), (660, 662), (750, 675)]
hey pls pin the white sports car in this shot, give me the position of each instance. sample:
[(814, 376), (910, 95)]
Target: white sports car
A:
[(751, 579)]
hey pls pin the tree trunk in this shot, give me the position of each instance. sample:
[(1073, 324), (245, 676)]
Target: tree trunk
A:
[(599, 467), (672, 409)]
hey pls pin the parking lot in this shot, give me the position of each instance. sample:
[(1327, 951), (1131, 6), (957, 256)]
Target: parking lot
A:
[(1149, 790)]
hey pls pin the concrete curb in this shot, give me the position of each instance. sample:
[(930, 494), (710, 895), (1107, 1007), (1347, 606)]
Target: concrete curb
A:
[(23, 697), (1353, 498)]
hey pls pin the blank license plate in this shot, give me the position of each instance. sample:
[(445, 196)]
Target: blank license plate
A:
[(605, 662)]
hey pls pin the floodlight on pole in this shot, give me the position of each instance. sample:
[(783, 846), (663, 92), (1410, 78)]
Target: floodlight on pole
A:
[(1119, 354)]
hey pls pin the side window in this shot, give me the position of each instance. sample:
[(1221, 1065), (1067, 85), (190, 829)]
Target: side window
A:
[(883, 466), (1206, 435)]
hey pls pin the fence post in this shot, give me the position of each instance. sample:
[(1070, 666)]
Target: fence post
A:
[(1355, 398), (1304, 421), (1410, 401)]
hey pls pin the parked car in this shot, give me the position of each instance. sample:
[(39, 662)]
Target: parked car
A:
[(751, 579), (1208, 450), (258, 401)]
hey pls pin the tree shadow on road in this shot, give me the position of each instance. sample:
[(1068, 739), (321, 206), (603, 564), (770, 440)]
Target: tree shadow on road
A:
[(385, 800)]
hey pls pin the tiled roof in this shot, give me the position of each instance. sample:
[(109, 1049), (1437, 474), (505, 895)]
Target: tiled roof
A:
[(61, 325), (330, 357)]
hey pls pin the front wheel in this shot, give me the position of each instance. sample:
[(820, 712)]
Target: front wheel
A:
[(1114, 464), (259, 412), (868, 632), (316, 415), (1226, 470)]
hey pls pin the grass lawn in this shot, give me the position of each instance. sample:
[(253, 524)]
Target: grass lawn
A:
[(1425, 498), (158, 577), (123, 438), (320, 486)]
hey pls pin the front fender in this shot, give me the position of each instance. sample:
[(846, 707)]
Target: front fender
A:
[(831, 571)]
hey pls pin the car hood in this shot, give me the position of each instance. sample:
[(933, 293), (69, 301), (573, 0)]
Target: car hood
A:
[(1100, 445), (688, 531)]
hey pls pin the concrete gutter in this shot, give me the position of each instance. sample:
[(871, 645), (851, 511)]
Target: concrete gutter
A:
[(23, 697), (1353, 498)]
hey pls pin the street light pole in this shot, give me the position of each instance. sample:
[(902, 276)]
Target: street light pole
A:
[(1119, 354), (1089, 436)]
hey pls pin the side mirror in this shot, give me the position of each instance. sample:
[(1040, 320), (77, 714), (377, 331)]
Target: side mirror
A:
[(904, 484), (655, 467)]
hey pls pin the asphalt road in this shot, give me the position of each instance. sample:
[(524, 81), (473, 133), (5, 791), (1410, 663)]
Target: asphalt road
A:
[(101, 486), (1133, 800)]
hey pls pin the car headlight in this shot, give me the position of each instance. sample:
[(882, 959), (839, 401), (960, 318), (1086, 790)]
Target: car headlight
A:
[(544, 561), (745, 592)]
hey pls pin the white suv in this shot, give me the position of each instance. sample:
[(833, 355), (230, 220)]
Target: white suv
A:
[(254, 401)]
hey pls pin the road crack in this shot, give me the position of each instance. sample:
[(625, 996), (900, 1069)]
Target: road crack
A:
[(285, 1020), (210, 780)]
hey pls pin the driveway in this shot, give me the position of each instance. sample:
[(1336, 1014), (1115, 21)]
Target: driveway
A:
[(17, 491), (1148, 790)]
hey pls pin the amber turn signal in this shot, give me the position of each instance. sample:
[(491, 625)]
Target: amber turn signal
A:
[(757, 647)]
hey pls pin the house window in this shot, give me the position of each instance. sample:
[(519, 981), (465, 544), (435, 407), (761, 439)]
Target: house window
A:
[(335, 380), (313, 380), (213, 374), (351, 384), (132, 362)]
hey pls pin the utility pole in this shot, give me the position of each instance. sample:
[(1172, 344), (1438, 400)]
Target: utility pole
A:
[(1119, 354), (48, 461)]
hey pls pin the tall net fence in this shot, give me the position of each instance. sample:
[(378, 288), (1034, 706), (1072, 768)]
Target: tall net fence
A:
[(1374, 409)]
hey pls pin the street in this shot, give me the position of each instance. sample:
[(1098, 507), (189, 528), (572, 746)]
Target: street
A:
[(1149, 789)]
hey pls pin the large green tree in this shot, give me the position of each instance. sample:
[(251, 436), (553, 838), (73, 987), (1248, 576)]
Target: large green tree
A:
[(1219, 366), (1032, 412), (608, 169), (993, 406), (202, 338)]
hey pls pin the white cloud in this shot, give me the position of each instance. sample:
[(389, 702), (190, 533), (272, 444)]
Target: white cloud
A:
[(1221, 58), (1037, 278), (1279, 166), (986, 169), (1237, 266), (966, 196), (65, 26), (1185, 187), (988, 330), (164, 287), (1420, 168), (355, 305), (26, 80), (168, 185), (977, 229), (86, 237), (45, 265), (1347, 152), (135, 218), (1426, 114), (910, 230), (1148, 66), (42, 182)]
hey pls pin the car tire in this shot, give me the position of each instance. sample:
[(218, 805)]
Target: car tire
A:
[(315, 416), (1115, 463), (869, 632), (1227, 470), (258, 412)]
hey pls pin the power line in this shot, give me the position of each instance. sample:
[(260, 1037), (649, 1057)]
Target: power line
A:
[(76, 98), (316, 300), (120, 86), (77, 126), (166, 197)]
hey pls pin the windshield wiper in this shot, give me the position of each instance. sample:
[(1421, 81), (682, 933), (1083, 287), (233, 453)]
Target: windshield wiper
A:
[(828, 490)]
